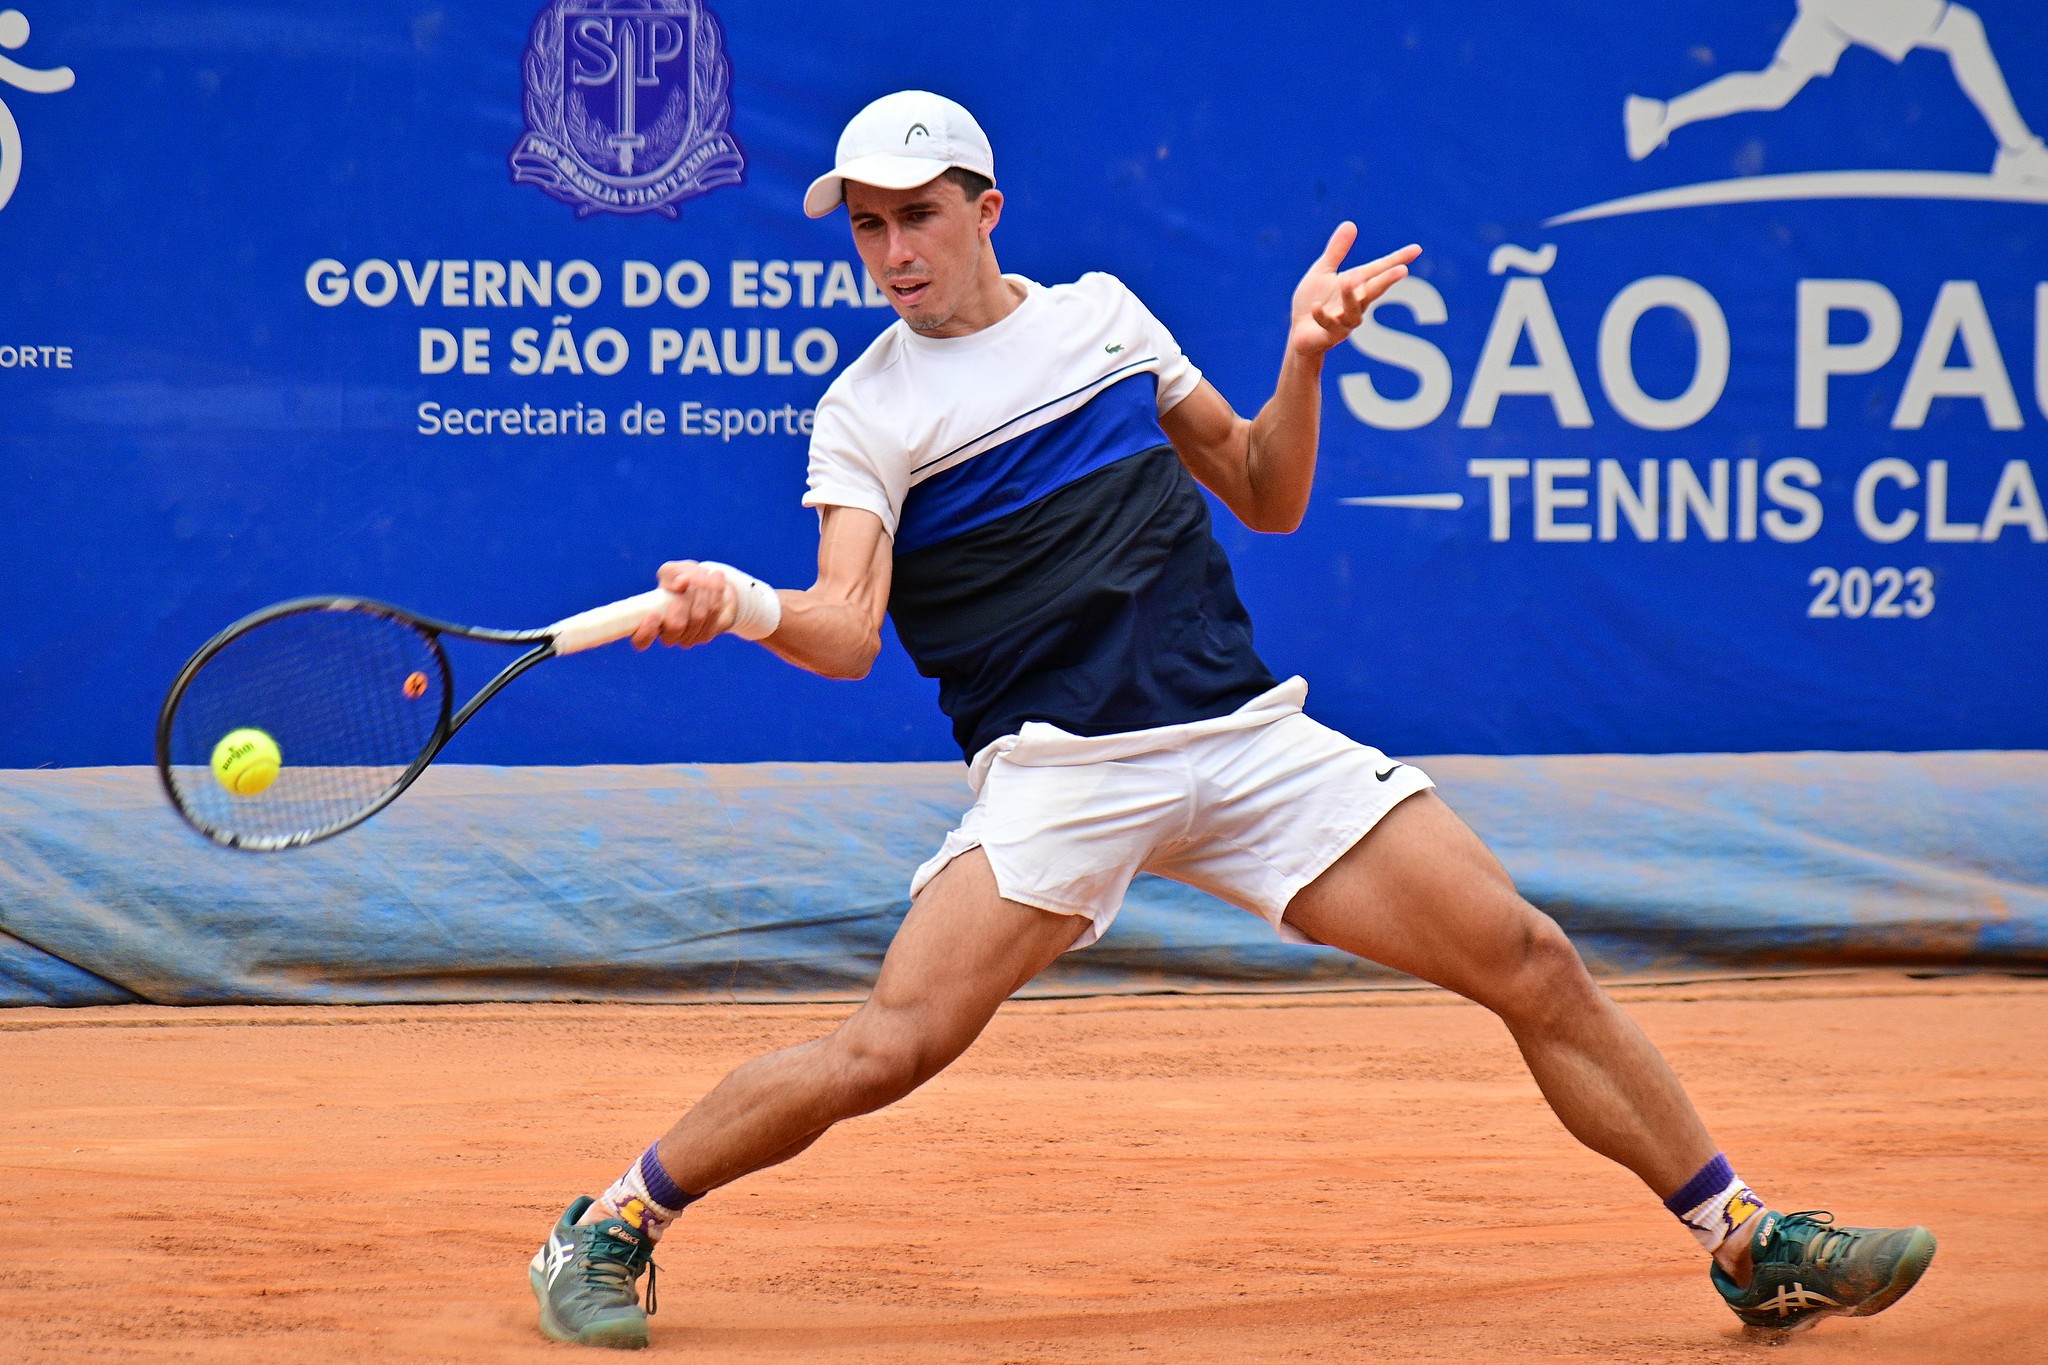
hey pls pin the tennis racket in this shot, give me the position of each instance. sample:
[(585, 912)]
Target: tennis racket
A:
[(357, 698)]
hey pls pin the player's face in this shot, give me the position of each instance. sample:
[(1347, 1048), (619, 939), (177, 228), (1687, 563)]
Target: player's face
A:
[(923, 246)]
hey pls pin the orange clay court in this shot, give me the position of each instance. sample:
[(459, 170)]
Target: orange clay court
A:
[(1366, 1175)]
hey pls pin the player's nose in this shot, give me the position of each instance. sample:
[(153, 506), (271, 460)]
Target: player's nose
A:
[(901, 253)]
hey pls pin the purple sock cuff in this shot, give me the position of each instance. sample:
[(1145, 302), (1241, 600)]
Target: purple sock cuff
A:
[(665, 1191), (1709, 1181)]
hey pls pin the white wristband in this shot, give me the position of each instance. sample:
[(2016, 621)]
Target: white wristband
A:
[(760, 610)]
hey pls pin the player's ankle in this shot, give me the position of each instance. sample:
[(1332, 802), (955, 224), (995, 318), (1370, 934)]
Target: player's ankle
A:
[(1734, 1254), (644, 1196), (1720, 1211)]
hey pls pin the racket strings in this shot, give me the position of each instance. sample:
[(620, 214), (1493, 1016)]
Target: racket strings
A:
[(350, 697)]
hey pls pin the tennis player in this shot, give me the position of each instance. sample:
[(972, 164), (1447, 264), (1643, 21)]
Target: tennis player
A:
[(1013, 472)]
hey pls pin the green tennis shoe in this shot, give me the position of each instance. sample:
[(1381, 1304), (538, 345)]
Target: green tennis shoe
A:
[(1806, 1269), (586, 1279)]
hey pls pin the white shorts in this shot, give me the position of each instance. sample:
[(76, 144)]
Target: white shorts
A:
[(1825, 29), (1250, 807)]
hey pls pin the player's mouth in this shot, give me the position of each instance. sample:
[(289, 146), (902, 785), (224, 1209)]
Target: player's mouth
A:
[(909, 291)]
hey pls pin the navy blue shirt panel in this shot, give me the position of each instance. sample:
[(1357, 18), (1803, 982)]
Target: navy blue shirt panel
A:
[(1101, 606), (1121, 420)]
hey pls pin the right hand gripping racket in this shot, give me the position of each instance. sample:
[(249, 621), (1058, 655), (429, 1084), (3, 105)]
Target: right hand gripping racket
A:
[(356, 695)]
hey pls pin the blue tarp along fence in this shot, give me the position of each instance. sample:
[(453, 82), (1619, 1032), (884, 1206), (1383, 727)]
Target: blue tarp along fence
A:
[(760, 881)]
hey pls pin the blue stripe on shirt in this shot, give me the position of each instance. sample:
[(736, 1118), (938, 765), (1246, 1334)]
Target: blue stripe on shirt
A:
[(1118, 422)]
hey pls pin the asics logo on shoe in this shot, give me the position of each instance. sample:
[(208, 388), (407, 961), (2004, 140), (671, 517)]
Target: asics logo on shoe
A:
[(1796, 1298), (558, 1253)]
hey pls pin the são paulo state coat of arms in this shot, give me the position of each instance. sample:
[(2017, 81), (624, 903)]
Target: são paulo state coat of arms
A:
[(627, 106)]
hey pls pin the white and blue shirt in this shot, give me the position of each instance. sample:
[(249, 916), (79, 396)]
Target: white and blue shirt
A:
[(1053, 558)]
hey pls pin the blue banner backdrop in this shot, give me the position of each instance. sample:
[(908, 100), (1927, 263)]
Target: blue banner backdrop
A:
[(1704, 424)]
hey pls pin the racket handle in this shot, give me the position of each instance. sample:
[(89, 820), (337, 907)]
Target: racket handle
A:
[(602, 625)]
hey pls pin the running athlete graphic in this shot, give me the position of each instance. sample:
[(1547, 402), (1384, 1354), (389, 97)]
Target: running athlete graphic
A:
[(1824, 30), (13, 34), (1013, 473)]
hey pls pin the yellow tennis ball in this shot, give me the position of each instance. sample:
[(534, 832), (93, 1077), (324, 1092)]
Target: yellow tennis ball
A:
[(246, 761)]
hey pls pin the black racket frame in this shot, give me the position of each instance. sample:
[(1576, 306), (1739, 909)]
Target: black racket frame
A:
[(450, 720)]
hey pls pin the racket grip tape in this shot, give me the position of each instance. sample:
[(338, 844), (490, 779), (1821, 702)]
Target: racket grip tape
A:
[(602, 625), (760, 612)]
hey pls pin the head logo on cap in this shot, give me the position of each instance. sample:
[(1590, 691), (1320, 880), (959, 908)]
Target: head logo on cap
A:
[(937, 135)]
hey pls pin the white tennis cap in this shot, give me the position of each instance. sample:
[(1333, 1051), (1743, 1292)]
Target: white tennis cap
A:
[(899, 142)]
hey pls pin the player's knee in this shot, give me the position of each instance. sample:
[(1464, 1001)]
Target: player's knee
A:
[(1546, 978), (875, 1071), (1781, 80), (1960, 24), (878, 1077)]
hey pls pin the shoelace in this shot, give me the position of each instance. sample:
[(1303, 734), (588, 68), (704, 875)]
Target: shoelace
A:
[(611, 1266), (1808, 1236)]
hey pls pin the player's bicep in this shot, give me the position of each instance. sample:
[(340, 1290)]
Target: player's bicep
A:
[(1212, 441), (855, 558)]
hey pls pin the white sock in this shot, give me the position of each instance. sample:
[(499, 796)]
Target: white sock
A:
[(1714, 1203), (645, 1197)]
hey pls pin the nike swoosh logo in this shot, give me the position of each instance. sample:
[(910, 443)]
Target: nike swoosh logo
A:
[(1388, 773)]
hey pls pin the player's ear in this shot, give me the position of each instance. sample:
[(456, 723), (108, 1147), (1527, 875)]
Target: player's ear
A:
[(990, 209)]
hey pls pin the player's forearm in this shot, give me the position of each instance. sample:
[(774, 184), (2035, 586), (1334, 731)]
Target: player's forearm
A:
[(834, 627), (1280, 453), (827, 633)]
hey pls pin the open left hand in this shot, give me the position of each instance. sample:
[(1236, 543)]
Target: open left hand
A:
[(1329, 303)]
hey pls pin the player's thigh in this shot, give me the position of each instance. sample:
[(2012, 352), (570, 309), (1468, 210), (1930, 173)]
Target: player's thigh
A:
[(1421, 894), (1810, 48), (1960, 30), (960, 952)]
